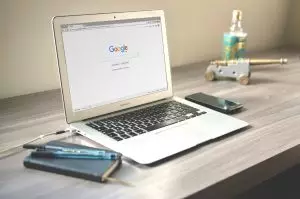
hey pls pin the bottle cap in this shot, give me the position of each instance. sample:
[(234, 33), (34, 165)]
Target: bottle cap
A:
[(236, 15)]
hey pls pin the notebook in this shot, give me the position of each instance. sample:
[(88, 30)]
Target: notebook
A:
[(89, 169)]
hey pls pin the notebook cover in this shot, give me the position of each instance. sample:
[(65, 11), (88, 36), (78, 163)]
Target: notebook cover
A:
[(95, 170)]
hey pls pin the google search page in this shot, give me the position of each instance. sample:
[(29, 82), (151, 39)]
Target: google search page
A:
[(111, 62)]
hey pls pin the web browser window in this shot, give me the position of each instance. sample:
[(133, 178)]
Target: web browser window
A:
[(113, 61)]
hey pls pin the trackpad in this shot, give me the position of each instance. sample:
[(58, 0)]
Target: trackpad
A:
[(175, 139), (182, 134)]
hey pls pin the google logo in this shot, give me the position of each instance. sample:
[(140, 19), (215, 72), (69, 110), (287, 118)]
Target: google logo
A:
[(118, 48)]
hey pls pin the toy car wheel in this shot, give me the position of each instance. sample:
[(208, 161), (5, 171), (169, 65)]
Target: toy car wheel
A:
[(243, 79), (209, 75)]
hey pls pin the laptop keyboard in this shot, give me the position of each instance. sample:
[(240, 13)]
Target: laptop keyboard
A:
[(144, 120)]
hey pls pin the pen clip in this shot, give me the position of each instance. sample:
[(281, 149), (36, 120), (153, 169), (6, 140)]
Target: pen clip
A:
[(33, 146)]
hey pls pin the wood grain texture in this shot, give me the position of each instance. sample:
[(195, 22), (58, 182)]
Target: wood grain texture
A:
[(272, 107)]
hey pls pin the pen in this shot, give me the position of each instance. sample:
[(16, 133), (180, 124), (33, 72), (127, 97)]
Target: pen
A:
[(69, 155), (93, 152)]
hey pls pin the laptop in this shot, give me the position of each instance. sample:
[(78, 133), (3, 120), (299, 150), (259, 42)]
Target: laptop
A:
[(116, 85)]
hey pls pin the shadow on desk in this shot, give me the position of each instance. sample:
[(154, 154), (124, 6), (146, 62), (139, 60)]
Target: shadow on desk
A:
[(276, 177), (260, 81), (283, 185)]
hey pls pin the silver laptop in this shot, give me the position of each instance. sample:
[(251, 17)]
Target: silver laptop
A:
[(116, 86)]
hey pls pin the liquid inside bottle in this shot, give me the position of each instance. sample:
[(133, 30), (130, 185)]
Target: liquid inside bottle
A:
[(234, 42)]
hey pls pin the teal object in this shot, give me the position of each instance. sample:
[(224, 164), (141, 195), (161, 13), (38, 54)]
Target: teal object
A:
[(60, 154), (233, 46)]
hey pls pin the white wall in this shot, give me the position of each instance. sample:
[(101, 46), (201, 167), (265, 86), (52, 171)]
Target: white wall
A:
[(293, 24), (3, 46), (195, 29)]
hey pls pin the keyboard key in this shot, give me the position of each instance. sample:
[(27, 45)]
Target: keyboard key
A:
[(200, 113), (94, 126), (141, 126), (121, 132), (140, 131), (104, 120), (160, 120), (127, 130), (112, 134), (180, 119), (189, 115), (113, 126), (108, 131), (127, 126), (117, 138), (132, 134), (99, 123), (146, 125), (179, 114), (125, 136), (118, 128), (102, 128)]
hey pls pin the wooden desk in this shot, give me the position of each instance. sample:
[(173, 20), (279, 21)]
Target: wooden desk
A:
[(273, 106)]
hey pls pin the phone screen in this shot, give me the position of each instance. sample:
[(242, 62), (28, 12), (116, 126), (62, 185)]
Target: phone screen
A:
[(214, 102)]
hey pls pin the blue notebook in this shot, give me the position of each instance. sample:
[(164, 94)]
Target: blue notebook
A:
[(90, 169)]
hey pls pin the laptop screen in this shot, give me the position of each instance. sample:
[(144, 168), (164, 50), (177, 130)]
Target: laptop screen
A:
[(112, 61)]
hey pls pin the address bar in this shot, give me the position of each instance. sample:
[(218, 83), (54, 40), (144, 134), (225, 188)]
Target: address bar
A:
[(86, 27)]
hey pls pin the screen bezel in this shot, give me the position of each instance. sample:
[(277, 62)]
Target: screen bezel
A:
[(72, 116)]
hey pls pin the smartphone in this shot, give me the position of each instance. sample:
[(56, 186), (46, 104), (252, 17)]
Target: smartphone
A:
[(215, 103)]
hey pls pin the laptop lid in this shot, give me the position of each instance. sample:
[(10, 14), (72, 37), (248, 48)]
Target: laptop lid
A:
[(110, 62)]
